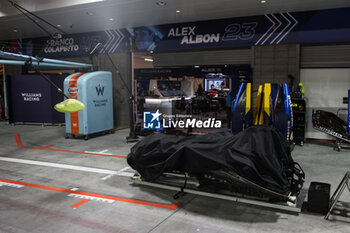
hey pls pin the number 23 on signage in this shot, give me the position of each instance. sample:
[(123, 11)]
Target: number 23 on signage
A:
[(235, 31)]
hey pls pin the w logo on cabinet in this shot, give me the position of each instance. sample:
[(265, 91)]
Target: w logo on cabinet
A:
[(100, 90)]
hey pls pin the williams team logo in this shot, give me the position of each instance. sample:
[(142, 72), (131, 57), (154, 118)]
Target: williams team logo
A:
[(151, 120), (100, 90)]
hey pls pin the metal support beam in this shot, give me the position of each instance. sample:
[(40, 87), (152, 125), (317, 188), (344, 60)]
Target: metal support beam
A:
[(22, 57), (40, 64)]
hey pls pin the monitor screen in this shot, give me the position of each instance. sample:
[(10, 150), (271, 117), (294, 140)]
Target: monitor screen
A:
[(215, 83)]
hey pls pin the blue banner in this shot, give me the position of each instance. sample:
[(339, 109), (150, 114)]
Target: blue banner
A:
[(76, 44), (32, 99), (278, 28)]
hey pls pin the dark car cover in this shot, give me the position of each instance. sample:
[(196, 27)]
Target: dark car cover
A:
[(259, 154)]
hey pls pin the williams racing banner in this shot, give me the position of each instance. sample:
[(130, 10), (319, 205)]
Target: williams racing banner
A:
[(278, 28), (75, 44)]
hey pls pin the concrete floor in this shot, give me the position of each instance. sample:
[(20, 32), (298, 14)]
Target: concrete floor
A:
[(32, 208)]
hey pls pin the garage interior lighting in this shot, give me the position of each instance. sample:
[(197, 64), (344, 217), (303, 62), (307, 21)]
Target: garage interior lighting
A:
[(263, 1), (15, 30), (58, 25), (196, 66), (110, 19), (178, 11), (161, 3), (148, 59)]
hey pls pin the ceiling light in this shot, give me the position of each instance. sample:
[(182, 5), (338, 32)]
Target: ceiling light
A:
[(161, 3), (111, 19), (15, 30), (178, 11), (90, 13), (148, 59), (151, 51), (58, 25), (196, 66), (263, 1)]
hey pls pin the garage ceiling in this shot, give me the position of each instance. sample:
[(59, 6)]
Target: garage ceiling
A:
[(77, 16)]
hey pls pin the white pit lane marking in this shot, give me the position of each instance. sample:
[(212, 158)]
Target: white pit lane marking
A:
[(121, 171), (70, 167), (10, 185), (99, 152), (88, 197), (91, 198)]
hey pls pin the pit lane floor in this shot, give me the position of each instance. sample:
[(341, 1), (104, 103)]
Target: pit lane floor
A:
[(62, 190)]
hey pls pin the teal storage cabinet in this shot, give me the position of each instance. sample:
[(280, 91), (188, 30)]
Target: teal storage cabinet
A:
[(95, 90)]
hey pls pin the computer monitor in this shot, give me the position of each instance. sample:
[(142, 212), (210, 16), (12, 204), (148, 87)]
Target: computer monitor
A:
[(215, 82)]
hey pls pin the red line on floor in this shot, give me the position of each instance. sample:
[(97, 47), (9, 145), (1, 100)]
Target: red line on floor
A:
[(47, 146), (79, 203), (19, 144), (165, 206), (18, 140)]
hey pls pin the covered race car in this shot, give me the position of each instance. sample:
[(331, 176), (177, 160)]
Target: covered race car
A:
[(256, 162)]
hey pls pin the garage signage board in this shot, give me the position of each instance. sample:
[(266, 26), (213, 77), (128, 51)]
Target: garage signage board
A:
[(278, 28)]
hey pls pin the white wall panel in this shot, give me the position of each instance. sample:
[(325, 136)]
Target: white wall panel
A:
[(324, 89)]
